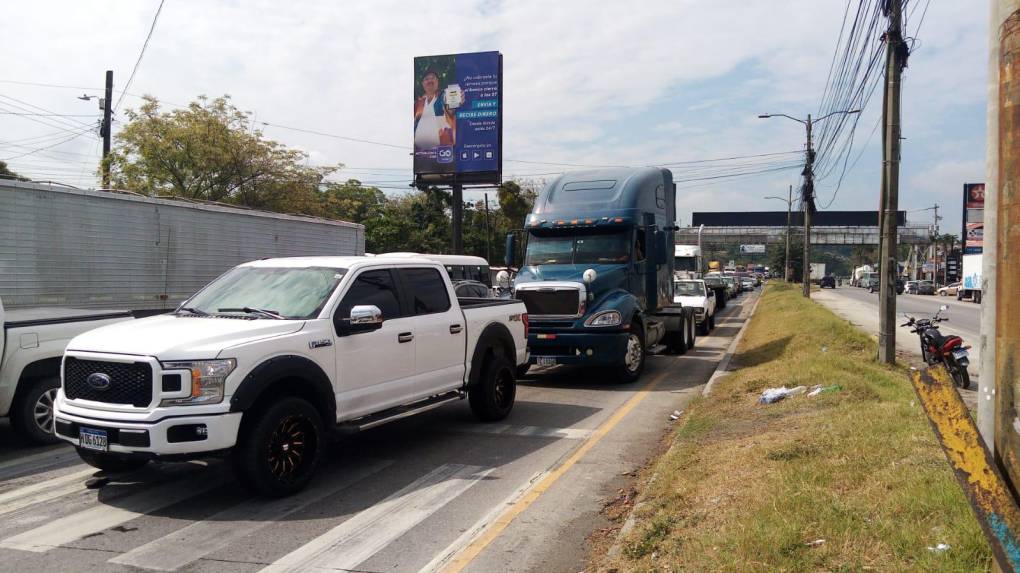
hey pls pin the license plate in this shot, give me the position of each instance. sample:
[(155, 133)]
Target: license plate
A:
[(960, 354), (90, 439), (546, 361)]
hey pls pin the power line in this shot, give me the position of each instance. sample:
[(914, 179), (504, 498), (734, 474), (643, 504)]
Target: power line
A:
[(334, 136), (47, 147), (140, 55)]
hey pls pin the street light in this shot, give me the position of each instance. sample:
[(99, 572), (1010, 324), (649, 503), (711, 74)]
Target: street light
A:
[(809, 186), (788, 270)]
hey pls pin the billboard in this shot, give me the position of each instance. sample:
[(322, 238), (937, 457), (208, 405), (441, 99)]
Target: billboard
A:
[(752, 249), (458, 112), (973, 218)]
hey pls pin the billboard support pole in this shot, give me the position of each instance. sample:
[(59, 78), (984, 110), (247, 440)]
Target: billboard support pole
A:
[(458, 219)]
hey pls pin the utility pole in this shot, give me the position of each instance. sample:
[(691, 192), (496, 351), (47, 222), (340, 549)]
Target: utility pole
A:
[(895, 62), (106, 130), (458, 219), (788, 274), (808, 202), (488, 237), (935, 253)]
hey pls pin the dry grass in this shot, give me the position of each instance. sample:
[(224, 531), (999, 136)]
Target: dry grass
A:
[(747, 487)]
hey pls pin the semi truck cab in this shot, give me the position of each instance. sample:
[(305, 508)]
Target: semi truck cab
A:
[(597, 272)]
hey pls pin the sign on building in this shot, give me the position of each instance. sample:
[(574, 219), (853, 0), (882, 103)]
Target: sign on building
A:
[(973, 218), (752, 249)]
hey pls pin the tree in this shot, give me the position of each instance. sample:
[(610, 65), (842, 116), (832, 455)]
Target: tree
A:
[(209, 151), (6, 173)]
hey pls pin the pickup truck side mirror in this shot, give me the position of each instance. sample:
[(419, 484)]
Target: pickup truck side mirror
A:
[(363, 318)]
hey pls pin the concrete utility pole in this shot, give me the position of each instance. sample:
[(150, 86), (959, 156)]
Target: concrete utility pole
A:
[(808, 203), (458, 219), (895, 62), (106, 130), (1007, 240), (488, 234), (788, 274)]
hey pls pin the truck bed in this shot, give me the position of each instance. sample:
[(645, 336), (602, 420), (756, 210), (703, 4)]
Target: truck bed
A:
[(476, 302)]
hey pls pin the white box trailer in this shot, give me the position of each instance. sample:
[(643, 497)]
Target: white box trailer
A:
[(69, 247), (970, 286)]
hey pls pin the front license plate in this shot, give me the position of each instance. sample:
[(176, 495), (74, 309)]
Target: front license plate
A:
[(546, 361), (90, 439)]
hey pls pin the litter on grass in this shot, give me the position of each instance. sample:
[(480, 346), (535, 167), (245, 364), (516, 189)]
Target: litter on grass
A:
[(771, 395), (676, 415), (939, 548), (819, 389), (815, 543)]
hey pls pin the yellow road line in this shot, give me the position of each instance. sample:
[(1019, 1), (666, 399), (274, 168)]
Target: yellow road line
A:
[(463, 558)]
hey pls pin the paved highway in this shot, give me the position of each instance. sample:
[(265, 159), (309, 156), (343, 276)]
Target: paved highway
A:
[(963, 315), (428, 493)]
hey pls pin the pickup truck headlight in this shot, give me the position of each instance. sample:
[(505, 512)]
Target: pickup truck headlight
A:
[(603, 319), (208, 379)]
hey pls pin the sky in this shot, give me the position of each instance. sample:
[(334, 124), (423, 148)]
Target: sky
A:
[(584, 84)]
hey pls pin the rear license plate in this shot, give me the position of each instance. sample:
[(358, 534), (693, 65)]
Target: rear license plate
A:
[(546, 361), (960, 354), (90, 439)]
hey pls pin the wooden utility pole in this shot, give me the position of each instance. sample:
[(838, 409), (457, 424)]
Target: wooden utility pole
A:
[(808, 204), (106, 130), (895, 62)]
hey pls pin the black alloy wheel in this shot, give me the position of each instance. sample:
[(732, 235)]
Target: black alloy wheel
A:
[(493, 396), (279, 447)]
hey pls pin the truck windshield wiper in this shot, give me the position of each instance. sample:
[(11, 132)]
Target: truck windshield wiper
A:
[(193, 311), (250, 310)]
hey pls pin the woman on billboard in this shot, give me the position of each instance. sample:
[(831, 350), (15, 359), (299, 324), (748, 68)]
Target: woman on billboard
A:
[(434, 122)]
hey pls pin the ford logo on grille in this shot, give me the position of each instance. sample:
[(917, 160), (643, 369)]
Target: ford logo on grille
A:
[(99, 381)]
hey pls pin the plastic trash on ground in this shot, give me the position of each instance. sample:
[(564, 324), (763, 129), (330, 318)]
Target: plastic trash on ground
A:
[(819, 389), (676, 415), (771, 395), (939, 548)]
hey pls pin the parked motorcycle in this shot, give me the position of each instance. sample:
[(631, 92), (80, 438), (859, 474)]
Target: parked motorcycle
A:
[(936, 348)]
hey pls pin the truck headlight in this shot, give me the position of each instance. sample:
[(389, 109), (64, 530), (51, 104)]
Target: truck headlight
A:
[(208, 379), (603, 319)]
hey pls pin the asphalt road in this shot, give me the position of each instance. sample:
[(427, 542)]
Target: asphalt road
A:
[(963, 315), (432, 492)]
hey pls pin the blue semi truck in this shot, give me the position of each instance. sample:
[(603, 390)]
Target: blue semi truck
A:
[(597, 271)]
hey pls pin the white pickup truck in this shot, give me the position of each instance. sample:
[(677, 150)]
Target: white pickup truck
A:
[(32, 342), (273, 356), (695, 294)]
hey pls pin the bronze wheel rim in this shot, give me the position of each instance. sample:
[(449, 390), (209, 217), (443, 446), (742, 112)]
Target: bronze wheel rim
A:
[(290, 448)]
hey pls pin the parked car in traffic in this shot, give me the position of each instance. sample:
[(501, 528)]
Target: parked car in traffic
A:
[(695, 294), (827, 282), (949, 289), (900, 286), (910, 287), (925, 287), (722, 293)]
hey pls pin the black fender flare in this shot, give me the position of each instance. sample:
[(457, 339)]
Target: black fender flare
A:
[(495, 336), (308, 381)]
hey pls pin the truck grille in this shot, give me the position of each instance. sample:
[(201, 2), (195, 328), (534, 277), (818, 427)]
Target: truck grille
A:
[(551, 302), (129, 383)]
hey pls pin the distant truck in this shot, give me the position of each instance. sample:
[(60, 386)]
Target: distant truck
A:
[(860, 273), (597, 276), (714, 267), (687, 262), (970, 286), (816, 272)]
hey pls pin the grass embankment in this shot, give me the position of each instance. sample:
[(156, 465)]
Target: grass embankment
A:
[(748, 487)]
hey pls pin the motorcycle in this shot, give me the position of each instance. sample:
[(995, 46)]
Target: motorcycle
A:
[(936, 348)]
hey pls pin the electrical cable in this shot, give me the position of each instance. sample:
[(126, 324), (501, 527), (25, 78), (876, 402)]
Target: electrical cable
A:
[(138, 61)]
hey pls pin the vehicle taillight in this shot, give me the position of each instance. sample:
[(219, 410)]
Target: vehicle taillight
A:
[(524, 319)]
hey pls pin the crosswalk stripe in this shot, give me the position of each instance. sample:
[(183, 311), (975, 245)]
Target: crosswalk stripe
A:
[(202, 538), (20, 498), (37, 463), (526, 431), (354, 541), (96, 519)]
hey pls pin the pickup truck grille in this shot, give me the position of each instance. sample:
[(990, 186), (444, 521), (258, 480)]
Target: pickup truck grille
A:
[(129, 383), (566, 302)]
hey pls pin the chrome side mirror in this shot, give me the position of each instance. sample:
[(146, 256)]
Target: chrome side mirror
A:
[(366, 314)]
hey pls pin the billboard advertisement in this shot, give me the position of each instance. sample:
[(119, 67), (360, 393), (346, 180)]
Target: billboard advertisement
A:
[(973, 218), (752, 249), (458, 116)]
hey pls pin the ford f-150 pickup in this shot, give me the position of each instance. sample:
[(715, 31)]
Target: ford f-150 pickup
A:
[(269, 359)]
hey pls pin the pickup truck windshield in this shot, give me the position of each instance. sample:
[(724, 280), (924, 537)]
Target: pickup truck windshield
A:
[(293, 293), (578, 249), (688, 288)]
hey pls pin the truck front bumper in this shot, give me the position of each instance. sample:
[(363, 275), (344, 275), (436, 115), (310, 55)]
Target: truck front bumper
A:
[(170, 436), (586, 349)]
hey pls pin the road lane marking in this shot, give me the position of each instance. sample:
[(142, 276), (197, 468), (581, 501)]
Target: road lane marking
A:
[(96, 519), (356, 540), (205, 537), (526, 431), (497, 526), (36, 462), (23, 497)]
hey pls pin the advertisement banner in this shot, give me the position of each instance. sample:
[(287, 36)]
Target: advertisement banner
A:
[(752, 249), (458, 114), (973, 217)]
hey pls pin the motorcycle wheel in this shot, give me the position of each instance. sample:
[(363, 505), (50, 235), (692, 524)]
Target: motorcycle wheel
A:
[(960, 374)]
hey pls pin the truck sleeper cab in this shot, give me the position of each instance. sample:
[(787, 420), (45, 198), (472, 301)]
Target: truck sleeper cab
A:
[(597, 274)]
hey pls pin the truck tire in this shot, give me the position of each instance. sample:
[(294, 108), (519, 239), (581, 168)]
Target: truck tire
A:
[(278, 452), (693, 333), (633, 363), (32, 414), (704, 327), (492, 397), (110, 462), (711, 321), (959, 295)]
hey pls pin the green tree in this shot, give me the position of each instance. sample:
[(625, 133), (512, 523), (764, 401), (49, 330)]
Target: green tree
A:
[(210, 151), (6, 173)]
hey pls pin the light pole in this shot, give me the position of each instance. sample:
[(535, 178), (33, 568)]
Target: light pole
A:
[(807, 191), (788, 270)]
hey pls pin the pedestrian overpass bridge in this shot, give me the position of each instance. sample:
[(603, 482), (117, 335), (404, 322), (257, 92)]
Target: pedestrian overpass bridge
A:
[(769, 227)]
